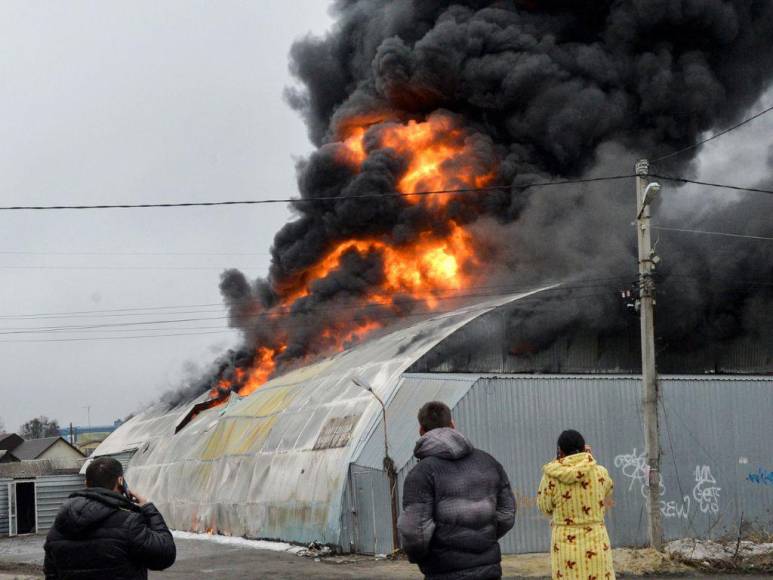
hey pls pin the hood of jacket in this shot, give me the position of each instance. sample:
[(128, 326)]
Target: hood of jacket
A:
[(445, 443), (88, 508), (570, 469)]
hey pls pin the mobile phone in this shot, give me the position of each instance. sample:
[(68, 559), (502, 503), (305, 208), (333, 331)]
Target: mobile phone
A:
[(127, 493)]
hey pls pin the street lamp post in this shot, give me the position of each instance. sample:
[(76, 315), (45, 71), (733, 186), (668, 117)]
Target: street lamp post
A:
[(389, 464), (645, 194)]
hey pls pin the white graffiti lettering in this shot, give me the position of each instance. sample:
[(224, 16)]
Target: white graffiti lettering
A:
[(706, 492)]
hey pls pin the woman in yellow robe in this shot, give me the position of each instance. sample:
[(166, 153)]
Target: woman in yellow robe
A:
[(575, 492)]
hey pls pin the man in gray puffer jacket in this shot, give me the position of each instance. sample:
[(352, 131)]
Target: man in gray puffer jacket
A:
[(457, 503)]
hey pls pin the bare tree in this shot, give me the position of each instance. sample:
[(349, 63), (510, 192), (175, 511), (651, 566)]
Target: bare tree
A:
[(40, 427)]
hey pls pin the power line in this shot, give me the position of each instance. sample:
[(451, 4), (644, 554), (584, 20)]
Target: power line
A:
[(706, 232), (450, 294), (25, 253), (122, 268), (714, 136), (385, 316), (94, 338), (708, 184), (137, 310), (301, 323), (319, 199), (109, 310)]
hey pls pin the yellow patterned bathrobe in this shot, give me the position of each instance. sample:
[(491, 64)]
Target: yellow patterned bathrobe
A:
[(574, 491)]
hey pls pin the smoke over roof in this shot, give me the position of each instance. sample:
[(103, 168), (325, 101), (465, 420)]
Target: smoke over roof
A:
[(518, 92)]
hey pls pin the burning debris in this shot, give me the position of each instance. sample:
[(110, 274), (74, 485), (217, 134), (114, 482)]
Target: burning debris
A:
[(417, 96)]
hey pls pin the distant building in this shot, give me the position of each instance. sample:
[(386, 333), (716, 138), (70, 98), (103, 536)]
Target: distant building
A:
[(8, 457), (83, 436), (31, 492), (10, 441), (36, 477), (47, 448)]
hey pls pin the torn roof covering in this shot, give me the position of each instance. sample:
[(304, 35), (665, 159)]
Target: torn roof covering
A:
[(274, 464)]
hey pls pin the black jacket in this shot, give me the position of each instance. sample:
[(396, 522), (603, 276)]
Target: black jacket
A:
[(99, 534), (457, 503)]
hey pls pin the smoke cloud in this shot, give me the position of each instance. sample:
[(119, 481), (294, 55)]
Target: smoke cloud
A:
[(535, 90)]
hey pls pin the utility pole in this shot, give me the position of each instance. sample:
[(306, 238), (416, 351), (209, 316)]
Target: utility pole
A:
[(645, 193)]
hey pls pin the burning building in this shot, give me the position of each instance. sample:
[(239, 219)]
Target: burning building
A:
[(433, 122)]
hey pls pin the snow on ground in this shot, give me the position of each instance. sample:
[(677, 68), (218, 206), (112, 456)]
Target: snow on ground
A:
[(241, 542), (706, 550)]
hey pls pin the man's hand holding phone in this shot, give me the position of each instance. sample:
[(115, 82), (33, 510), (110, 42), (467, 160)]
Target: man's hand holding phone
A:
[(132, 497)]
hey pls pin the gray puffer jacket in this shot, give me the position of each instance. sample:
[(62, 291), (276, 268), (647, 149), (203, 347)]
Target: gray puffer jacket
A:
[(457, 503)]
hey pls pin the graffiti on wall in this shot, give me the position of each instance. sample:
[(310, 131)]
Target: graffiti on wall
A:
[(705, 493), (761, 477)]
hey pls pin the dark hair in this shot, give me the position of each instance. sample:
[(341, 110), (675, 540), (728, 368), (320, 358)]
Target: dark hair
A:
[(571, 442), (103, 472), (434, 415)]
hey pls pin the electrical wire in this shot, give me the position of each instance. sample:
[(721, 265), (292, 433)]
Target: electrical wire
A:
[(321, 198), (385, 317), (708, 184), (527, 301), (504, 289), (714, 136), (125, 268), (25, 253), (98, 338), (710, 233), (136, 311), (43, 329)]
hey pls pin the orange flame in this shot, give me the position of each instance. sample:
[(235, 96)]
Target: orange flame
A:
[(420, 269), (262, 367), (439, 155)]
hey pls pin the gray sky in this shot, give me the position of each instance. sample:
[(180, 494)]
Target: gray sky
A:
[(135, 101)]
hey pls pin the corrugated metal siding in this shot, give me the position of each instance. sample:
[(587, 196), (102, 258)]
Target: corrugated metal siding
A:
[(402, 425), (4, 506), (367, 526), (51, 492), (715, 433), (124, 458), (721, 426), (518, 419)]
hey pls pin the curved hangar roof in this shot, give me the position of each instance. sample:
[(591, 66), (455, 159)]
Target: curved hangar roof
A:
[(274, 464)]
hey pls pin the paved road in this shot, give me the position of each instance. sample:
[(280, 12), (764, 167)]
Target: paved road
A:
[(22, 557)]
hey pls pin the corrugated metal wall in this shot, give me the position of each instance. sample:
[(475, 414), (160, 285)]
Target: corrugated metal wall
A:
[(51, 492), (402, 424), (4, 506), (715, 432), (367, 517)]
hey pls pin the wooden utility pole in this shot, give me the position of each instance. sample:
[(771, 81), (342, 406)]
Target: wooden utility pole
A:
[(647, 260)]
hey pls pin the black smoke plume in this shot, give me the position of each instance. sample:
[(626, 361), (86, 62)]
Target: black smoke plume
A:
[(545, 90)]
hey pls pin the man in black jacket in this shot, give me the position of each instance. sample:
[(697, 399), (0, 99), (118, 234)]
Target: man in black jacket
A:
[(457, 503), (101, 533)]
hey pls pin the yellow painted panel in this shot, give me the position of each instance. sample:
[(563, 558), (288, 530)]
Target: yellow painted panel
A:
[(250, 435), (237, 435), (262, 403)]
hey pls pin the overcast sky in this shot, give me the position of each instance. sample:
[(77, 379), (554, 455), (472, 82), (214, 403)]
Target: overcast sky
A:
[(104, 102), (145, 101)]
